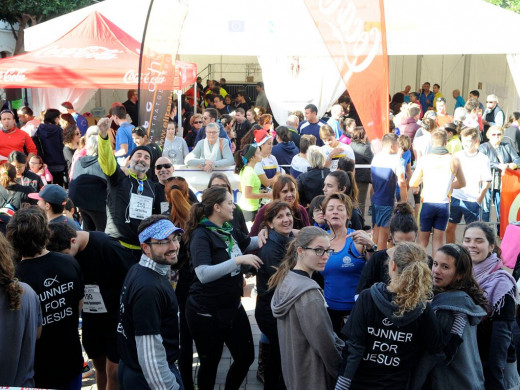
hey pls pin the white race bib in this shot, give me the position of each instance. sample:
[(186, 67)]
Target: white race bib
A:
[(164, 207), (93, 301), (140, 206)]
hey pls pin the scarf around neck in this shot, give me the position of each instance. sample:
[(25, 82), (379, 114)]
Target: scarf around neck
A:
[(496, 282), (211, 153), (224, 232)]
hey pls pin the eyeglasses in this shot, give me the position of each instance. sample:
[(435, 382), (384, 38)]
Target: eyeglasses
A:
[(34, 163), (496, 135), (164, 242), (197, 122), (321, 251), (490, 102), (212, 132), (161, 166)]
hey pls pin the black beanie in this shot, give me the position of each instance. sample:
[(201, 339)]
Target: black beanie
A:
[(142, 147)]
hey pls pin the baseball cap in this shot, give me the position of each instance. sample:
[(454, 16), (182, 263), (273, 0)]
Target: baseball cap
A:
[(51, 193)]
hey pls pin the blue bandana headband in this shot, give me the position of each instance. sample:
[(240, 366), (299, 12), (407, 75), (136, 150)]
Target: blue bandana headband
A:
[(160, 230)]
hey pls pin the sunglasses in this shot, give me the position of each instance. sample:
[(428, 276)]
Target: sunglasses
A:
[(490, 101), (196, 122), (161, 166)]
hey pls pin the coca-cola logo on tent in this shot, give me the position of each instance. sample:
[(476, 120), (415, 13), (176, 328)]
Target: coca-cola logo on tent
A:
[(13, 75), (90, 52)]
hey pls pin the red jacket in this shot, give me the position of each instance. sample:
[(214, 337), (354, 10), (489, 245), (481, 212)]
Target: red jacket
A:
[(15, 139)]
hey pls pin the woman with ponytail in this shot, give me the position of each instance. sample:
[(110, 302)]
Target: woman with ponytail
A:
[(391, 325), (20, 323), (494, 333), (457, 294), (309, 348), (177, 194), (214, 311), (245, 161)]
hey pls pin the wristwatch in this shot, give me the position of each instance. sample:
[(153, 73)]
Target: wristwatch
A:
[(372, 248)]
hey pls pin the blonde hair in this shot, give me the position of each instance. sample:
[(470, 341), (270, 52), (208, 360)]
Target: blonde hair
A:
[(413, 286), (303, 239)]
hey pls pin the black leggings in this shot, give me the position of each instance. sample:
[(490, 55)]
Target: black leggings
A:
[(93, 220), (210, 334), (337, 317), (273, 379)]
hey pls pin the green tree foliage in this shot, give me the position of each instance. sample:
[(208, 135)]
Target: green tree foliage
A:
[(26, 13), (512, 5)]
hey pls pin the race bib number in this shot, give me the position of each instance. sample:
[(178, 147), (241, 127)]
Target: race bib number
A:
[(164, 207), (93, 301), (140, 206), (234, 253)]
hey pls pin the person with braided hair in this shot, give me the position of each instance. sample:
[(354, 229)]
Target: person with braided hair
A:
[(20, 323)]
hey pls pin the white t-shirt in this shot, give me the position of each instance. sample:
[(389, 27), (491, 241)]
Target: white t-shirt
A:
[(422, 145), (347, 152), (476, 171)]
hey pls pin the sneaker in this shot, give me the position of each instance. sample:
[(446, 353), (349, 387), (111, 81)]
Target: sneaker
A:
[(87, 371)]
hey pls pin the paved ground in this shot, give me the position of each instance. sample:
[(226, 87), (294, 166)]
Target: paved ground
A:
[(251, 383)]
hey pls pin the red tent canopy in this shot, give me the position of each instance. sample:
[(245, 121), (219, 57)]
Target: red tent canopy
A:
[(94, 54)]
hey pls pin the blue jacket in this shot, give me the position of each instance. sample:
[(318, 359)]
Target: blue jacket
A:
[(51, 139), (284, 153)]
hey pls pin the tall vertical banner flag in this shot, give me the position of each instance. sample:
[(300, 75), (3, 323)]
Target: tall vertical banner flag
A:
[(159, 47), (509, 199), (355, 35)]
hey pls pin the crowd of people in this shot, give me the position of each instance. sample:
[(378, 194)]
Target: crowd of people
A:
[(98, 233)]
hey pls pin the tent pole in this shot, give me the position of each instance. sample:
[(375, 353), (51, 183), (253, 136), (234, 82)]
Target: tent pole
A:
[(179, 112), (465, 76), (195, 98), (418, 72)]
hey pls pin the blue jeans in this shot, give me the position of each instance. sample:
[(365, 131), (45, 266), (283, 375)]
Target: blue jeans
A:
[(486, 205)]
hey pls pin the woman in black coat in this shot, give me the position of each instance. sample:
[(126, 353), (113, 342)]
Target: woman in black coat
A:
[(279, 220), (310, 183)]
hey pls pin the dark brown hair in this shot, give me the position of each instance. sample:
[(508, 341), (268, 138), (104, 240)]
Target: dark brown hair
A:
[(8, 283), (28, 232)]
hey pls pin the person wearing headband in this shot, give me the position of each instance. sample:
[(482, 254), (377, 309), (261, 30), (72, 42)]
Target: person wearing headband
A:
[(148, 330), (245, 161)]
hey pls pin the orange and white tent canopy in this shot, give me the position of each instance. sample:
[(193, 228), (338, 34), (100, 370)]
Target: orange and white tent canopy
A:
[(94, 54)]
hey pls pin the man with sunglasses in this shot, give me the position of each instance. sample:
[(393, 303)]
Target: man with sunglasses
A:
[(131, 195), (12, 138), (148, 329), (164, 170)]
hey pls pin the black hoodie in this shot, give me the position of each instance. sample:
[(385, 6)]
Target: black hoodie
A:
[(382, 348)]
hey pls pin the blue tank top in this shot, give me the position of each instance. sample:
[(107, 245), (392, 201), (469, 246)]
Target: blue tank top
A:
[(341, 276)]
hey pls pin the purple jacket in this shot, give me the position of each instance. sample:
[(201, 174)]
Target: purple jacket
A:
[(409, 127)]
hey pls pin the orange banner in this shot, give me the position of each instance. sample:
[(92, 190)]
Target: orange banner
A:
[(355, 35), (509, 199)]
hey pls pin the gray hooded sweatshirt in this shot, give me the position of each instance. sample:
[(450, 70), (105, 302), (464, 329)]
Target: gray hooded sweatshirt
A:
[(309, 348)]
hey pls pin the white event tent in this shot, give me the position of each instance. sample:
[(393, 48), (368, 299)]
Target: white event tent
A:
[(463, 44)]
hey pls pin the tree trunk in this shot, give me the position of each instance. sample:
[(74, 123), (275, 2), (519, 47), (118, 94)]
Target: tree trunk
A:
[(22, 23)]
